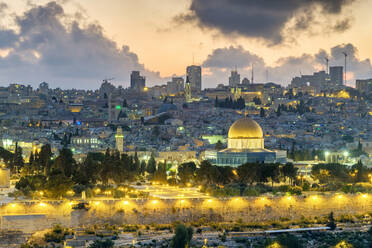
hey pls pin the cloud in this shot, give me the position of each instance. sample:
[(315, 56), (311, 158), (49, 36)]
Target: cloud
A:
[(52, 46), (222, 60), (263, 19), (231, 57)]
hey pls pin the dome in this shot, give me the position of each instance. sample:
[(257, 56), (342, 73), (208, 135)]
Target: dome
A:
[(165, 107), (245, 128)]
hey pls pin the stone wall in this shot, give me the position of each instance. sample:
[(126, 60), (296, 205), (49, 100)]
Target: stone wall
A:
[(142, 211)]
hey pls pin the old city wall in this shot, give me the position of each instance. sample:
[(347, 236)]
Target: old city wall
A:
[(148, 211)]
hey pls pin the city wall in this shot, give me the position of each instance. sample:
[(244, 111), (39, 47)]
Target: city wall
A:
[(148, 211)]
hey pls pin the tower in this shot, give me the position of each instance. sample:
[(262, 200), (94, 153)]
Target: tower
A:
[(193, 72), (234, 79), (119, 137), (188, 89)]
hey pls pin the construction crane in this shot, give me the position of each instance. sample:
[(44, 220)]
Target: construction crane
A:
[(345, 54)]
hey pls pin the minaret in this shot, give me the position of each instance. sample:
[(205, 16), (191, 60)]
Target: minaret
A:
[(188, 90), (119, 137)]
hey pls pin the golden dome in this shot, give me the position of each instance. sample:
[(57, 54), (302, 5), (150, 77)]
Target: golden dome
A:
[(245, 128)]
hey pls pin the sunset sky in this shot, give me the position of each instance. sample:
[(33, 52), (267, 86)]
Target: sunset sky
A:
[(77, 43)]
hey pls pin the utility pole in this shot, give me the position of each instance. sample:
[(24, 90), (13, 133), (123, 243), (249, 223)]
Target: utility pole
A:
[(344, 53), (252, 75)]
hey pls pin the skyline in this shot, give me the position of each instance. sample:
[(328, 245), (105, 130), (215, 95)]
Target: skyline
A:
[(110, 40)]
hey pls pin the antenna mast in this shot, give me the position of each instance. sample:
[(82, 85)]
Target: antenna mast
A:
[(327, 60), (345, 54), (252, 75)]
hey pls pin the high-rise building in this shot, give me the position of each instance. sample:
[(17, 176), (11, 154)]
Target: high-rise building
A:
[(193, 72), (175, 86), (364, 86), (119, 137), (234, 79), (137, 82), (337, 75), (318, 80)]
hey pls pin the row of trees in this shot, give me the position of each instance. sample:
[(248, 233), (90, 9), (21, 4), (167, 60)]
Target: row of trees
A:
[(300, 108), (230, 103), (341, 174), (56, 176)]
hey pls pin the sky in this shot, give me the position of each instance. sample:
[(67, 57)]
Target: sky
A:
[(78, 43)]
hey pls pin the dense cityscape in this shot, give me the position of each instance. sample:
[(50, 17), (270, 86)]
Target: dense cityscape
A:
[(246, 163)]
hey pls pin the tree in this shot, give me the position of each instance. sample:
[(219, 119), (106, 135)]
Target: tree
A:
[(32, 158), (331, 222), (186, 172), (207, 173), (142, 168), (18, 161), (89, 171), (65, 162), (257, 101), (44, 158), (218, 146), (289, 172), (278, 111), (289, 241), (58, 184), (151, 165), (249, 173), (262, 112), (107, 243), (136, 163), (160, 174), (182, 237)]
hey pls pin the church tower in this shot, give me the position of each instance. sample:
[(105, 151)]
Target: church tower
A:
[(119, 137), (188, 90)]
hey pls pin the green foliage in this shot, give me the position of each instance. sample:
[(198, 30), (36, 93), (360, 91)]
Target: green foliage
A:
[(186, 172), (107, 243), (218, 146), (160, 174), (182, 236), (289, 241), (331, 222), (330, 173), (230, 103), (28, 184), (151, 165), (58, 184), (57, 234), (65, 162)]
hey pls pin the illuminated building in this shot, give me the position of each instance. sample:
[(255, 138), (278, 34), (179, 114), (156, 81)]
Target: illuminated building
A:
[(364, 86), (137, 82), (193, 72), (4, 178), (175, 86), (75, 107), (234, 79), (337, 74), (245, 144), (188, 90), (119, 137)]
